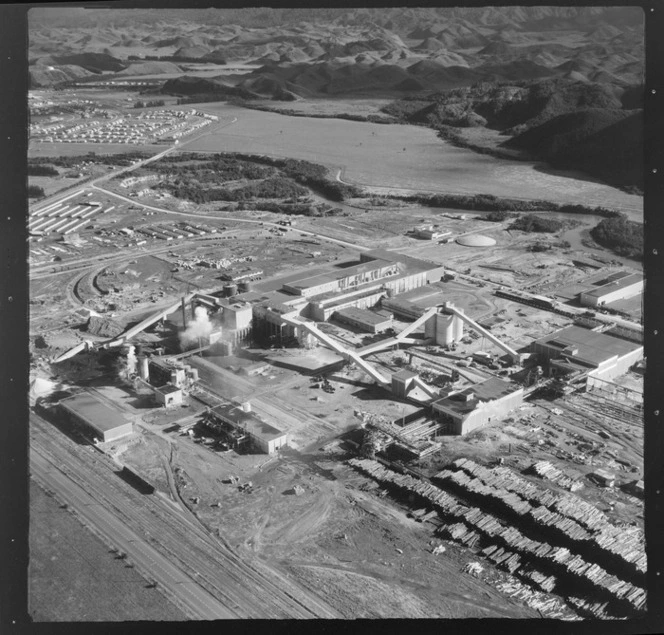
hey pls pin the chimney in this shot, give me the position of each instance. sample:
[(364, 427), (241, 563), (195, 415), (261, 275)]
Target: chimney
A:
[(184, 314), (143, 368)]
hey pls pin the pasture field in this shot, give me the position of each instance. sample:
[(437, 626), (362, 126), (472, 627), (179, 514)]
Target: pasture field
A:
[(330, 107), (74, 576), (399, 156)]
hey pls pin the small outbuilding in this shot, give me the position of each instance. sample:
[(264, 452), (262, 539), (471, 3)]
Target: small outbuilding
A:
[(168, 395)]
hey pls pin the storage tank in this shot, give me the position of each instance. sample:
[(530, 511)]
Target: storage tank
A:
[(458, 329), (444, 329), (230, 290), (143, 368), (246, 407), (245, 286)]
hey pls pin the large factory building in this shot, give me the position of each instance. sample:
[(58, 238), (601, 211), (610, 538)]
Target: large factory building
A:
[(576, 349), (238, 423), (95, 417), (478, 405), (618, 286)]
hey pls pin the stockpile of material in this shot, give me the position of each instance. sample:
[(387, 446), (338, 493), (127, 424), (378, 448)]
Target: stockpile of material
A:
[(577, 519), (476, 521), (546, 470)]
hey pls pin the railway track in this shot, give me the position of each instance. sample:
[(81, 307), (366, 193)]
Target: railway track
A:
[(247, 589)]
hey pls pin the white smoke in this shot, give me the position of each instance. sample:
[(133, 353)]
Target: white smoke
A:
[(131, 361), (198, 328)]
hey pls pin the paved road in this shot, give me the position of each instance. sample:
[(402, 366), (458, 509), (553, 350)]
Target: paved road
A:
[(161, 210), (198, 603), (78, 188)]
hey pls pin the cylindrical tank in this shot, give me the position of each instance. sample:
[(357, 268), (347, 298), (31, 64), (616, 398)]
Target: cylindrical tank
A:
[(444, 329), (230, 290), (245, 286), (458, 329), (143, 368), (246, 407), (430, 327)]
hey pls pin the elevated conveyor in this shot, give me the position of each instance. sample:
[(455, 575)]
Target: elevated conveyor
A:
[(339, 348), (514, 356)]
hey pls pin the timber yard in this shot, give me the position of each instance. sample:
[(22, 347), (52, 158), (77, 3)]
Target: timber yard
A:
[(284, 403)]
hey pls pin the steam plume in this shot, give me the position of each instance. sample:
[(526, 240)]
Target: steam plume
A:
[(199, 327)]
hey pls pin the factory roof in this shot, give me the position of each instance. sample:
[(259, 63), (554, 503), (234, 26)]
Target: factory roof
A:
[(404, 374), (467, 400), (94, 412), (168, 389), (362, 315), (247, 420), (591, 346), (340, 274), (614, 282)]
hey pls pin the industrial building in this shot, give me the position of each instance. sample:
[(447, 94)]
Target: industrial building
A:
[(368, 321), (477, 405), (95, 417), (430, 232), (379, 274), (617, 286), (168, 395), (578, 350), (164, 370), (239, 425)]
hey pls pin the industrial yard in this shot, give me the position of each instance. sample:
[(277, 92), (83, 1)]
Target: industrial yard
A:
[(253, 381), (285, 364)]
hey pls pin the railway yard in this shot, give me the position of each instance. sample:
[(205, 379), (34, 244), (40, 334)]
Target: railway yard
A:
[(350, 336)]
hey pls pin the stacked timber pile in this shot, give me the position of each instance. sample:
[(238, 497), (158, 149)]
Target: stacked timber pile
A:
[(546, 470), (471, 524), (568, 514)]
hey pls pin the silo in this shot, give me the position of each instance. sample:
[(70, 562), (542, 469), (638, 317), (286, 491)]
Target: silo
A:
[(444, 329), (431, 327), (458, 328), (143, 368)]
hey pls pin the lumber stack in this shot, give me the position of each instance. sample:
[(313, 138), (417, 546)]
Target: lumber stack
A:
[(567, 514), (471, 525), (547, 470)]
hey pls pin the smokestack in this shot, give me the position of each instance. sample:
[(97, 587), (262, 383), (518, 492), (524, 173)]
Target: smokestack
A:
[(184, 314), (143, 368)]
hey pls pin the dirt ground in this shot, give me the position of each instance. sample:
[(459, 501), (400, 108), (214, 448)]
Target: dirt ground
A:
[(358, 551)]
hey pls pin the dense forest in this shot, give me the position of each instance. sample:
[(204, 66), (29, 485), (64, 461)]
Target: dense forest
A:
[(624, 237)]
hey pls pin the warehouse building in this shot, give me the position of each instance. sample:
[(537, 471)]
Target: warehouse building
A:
[(239, 424), (477, 405), (95, 417), (617, 286), (576, 349), (368, 321)]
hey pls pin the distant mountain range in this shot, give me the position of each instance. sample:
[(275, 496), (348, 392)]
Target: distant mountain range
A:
[(589, 44), (563, 83)]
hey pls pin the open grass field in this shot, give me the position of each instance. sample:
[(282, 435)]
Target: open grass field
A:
[(74, 577), (398, 156), (331, 107)]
